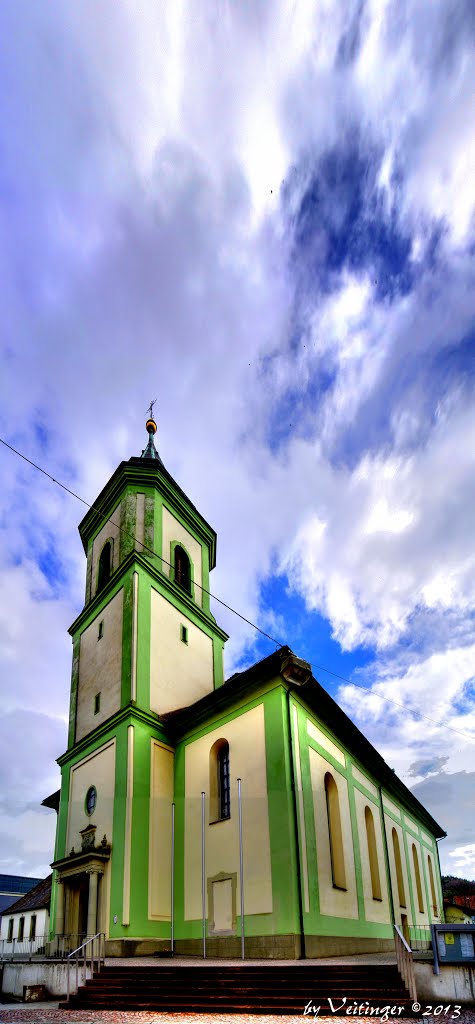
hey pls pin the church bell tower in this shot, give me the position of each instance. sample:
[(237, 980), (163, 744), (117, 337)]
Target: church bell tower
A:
[(144, 644)]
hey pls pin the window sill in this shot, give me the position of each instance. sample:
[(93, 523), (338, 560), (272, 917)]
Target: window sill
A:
[(216, 821), (377, 899), (341, 888)]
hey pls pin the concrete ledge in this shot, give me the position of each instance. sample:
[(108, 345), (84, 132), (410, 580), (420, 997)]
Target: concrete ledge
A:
[(344, 945), (53, 976), (136, 947), (258, 947), (454, 984)]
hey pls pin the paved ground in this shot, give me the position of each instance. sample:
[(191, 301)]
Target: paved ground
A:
[(48, 1013), (45, 1014)]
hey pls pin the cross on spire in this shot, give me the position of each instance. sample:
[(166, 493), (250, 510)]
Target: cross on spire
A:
[(150, 408)]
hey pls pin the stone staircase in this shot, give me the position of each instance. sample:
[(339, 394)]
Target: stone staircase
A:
[(280, 989)]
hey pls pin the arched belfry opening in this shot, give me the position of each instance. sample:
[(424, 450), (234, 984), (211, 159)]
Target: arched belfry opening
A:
[(105, 566), (182, 569)]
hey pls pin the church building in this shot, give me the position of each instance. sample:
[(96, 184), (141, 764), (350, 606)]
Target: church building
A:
[(227, 816)]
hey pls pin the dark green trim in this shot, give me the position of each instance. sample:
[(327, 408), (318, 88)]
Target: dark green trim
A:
[(310, 823), (127, 627), (149, 521), (205, 597), (73, 703), (337, 765), (387, 863), (128, 524), (144, 610), (118, 831), (356, 849), (297, 827), (179, 922), (129, 714), (139, 474), (409, 875), (224, 714), (365, 792), (165, 586), (218, 664)]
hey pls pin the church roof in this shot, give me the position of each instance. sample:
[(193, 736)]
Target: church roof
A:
[(179, 722)]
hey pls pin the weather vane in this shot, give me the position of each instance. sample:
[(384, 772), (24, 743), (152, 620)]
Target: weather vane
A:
[(150, 408)]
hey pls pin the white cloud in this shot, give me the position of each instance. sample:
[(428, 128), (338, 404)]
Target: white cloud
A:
[(464, 860)]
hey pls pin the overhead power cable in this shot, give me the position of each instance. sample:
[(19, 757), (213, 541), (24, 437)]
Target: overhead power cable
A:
[(132, 536), (145, 547)]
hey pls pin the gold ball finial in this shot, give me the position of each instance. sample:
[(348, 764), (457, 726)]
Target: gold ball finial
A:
[(151, 426)]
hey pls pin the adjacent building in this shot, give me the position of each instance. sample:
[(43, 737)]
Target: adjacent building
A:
[(24, 927)]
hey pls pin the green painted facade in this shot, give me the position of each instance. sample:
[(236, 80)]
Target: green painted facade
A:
[(280, 822)]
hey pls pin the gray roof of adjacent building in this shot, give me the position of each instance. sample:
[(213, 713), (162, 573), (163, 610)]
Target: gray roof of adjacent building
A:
[(38, 897), (14, 886)]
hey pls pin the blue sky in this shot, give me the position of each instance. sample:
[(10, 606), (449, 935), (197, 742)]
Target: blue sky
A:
[(263, 215)]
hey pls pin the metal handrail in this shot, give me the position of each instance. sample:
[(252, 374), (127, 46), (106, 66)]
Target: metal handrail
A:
[(76, 952), (405, 962), (42, 946)]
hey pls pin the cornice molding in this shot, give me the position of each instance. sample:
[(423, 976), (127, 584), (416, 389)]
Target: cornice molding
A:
[(142, 474), (128, 714), (169, 587)]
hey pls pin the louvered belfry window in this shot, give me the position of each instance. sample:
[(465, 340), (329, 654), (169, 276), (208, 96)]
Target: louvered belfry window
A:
[(182, 569), (105, 566)]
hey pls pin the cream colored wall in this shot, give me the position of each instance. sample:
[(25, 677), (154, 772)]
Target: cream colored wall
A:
[(364, 781), (100, 668), (398, 910), (411, 825), (420, 919), (301, 808), (433, 856), (375, 910), (247, 761), (223, 905), (160, 846), (98, 769), (110, 530), (337, 902), (174, 531), (179, 673), (42, 925), (388, 804), (324, 741)]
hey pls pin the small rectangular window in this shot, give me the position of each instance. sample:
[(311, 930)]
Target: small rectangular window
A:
[(97, 703), (100, 632), (184, 634), (21, 929), (10, 929), (33, 926)]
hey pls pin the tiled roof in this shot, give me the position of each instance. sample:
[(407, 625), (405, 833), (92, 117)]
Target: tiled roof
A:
[(38, 898)]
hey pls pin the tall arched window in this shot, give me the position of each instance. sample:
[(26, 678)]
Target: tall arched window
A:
[(219, 781), (105, 566), (399, 874), (415, 858), (335, 833), (182, 569), (432, 886), (372, 854)]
